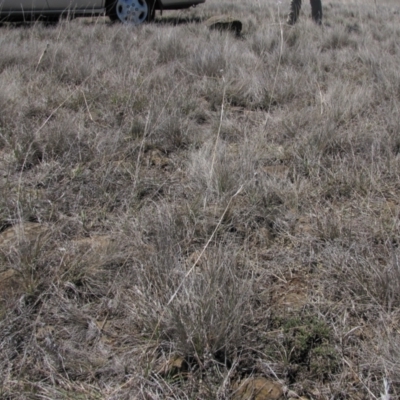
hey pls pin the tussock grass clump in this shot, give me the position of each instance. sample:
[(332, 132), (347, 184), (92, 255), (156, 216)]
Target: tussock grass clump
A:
[(183, 210)]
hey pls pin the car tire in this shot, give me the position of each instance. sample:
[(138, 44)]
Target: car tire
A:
[(133, 12)]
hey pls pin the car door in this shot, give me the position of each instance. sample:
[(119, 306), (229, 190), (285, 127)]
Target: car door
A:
[(75, 4), (23, 5)]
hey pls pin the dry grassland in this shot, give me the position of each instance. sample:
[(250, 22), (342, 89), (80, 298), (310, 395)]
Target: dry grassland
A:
[(184, 212)]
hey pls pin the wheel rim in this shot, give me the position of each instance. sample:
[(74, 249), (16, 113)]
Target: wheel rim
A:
[(132, 11)]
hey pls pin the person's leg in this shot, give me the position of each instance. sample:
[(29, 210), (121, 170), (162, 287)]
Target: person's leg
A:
[(295, 6), (316, 10)]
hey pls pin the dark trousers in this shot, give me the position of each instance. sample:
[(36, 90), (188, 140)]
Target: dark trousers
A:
[(295, 6)]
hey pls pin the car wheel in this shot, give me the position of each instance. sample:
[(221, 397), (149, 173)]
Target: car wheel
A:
[(133, 12)]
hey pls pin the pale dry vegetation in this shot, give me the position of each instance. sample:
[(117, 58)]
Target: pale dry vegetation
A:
[(182, 209)]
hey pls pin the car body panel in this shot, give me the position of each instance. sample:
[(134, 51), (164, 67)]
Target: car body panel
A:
[(23, 5), (25, 9), (75, 4)]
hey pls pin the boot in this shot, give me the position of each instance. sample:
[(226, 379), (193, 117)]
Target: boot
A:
[(295, 6), (316, 11)]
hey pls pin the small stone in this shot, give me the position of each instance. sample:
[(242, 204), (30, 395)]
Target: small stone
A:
[(224, 23)]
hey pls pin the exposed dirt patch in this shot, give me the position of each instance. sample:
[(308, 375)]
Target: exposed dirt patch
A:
[(258, 389), (27, 232)]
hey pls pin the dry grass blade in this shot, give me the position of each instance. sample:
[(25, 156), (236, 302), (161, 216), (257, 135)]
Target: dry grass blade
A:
[(186, 213)]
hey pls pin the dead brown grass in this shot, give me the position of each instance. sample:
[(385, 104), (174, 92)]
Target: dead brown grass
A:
[(182, 209)]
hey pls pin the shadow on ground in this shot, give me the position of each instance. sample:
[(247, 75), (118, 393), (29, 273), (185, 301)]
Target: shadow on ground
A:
[(178, 20)]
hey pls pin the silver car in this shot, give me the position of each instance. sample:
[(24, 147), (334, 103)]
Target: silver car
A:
[(128, 11)]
